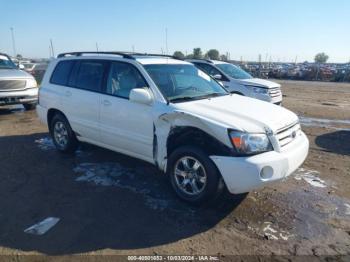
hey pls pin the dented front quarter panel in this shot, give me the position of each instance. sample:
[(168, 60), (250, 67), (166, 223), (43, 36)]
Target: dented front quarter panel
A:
[(167, 117)]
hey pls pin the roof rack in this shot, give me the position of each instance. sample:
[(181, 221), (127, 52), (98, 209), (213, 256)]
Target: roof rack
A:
[(123, 54)]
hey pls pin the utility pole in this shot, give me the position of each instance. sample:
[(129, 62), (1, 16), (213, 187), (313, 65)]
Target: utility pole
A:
[(50, 52), (13, 42), (53, 52), (166, 41), (133, 48), (96, 46)]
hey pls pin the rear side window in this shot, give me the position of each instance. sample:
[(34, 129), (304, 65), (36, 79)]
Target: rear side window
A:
[(61, 73), (90, 75)]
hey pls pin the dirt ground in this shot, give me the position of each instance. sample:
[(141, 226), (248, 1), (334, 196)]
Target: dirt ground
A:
[(111, 204)]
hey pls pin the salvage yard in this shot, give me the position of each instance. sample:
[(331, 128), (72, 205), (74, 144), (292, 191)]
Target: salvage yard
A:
[(97, 201)]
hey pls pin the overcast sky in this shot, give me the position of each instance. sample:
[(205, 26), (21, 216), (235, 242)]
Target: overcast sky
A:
[(281, 30)]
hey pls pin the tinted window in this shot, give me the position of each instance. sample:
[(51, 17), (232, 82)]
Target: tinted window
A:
[(122, 78), (234, 71), (210, 70), (90, 75), (61, 73)]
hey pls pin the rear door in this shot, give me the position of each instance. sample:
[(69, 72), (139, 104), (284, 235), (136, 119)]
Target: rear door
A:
[(82, 97)]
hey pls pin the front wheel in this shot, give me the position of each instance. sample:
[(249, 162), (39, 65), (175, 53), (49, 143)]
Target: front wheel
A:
[(193, 175)]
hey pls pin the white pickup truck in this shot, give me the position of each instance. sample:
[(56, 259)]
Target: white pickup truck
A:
[(169, 113), (16, 86)]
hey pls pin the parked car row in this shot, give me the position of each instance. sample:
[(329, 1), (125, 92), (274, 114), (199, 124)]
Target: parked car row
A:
[(304, 71), (176, 115)]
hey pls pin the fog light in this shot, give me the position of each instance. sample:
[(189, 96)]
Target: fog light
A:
[(266, 172)]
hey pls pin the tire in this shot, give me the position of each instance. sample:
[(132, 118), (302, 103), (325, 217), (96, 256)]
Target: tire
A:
[(62, 134), (205, 192), (29, 106)]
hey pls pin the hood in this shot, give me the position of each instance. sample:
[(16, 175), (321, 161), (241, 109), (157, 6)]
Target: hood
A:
[(240, 113), (258, 82), (14, 73)]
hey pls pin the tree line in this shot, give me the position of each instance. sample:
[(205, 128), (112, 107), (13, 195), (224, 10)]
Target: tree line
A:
[(212, 54)]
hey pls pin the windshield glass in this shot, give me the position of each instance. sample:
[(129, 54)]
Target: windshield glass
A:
[(184, 82), (5, 63), (234, 71)]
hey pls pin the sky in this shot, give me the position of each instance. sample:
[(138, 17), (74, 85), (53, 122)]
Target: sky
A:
[(277, 30)]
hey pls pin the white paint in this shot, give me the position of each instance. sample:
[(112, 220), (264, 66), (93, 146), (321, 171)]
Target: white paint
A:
[(311, 177), (43, 226)]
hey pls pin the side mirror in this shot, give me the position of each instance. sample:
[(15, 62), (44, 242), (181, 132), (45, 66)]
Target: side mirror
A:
[(217, 77), (20, 66), (141, 96)]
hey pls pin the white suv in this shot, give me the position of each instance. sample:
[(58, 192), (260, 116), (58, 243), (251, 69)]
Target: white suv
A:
[(171, 114), (236, 80), (16, 86)]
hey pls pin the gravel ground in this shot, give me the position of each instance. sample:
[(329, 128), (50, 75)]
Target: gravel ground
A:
[(107, 203)]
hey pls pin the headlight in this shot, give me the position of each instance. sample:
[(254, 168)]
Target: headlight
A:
[(31, 83), (258, 90), (249, 144)]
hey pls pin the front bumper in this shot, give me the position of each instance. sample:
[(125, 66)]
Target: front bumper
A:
[(19, 97), (244, 174)]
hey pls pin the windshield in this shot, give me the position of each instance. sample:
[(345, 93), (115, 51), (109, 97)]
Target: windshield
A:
[(234, 71), (184, 82), (6, 63)]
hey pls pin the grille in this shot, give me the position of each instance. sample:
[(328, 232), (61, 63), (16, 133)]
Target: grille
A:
[(12, 84), (275, 92), (288, 134)]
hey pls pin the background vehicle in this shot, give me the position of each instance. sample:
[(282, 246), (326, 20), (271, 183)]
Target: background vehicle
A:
[(169, 113), (16, 86), (236, 80)]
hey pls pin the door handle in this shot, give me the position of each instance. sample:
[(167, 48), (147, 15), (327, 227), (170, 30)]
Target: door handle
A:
[(106, 103), (68, 93)]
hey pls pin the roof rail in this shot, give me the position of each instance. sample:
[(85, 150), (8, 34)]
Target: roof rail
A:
[(123, 54), (202, 59), (160, 55)]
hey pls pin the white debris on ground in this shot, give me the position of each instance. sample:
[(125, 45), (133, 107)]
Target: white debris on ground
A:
[(322, 122), (275, 234), (43, 226), (45, 143), (109, 174), (310, 176), (347, 209)]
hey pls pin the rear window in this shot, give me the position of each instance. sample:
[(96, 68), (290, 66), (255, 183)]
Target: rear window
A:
[(61, 73), (90, 75)]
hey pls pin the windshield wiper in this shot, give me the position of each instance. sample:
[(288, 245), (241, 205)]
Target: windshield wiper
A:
[(184, 98), (190, 98)]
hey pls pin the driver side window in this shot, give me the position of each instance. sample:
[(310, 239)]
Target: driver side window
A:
[(210, 70), (122, 78)]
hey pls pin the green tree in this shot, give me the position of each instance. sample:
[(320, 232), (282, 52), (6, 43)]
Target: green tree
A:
[(223, 57), (197, 53), (213, 54), (321, 58), (179, 54)]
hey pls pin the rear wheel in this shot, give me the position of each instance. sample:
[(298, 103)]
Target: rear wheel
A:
[(193, 175), (62, 134), (29, 106)]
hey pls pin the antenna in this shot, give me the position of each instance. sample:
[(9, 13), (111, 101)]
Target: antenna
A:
[(166, 41), (53, 53), (13, 43)]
